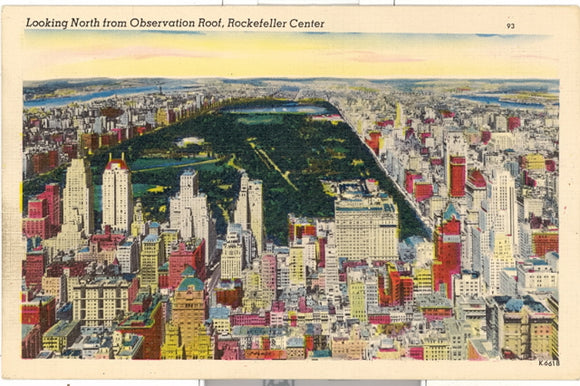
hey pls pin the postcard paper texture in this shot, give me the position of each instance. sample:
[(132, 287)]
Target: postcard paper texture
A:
[(290, 192)]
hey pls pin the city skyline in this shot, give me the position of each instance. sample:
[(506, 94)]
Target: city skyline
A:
[(440, 203), (363, 196)]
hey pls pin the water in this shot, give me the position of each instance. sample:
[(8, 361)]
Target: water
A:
[(63, 101), (495, 99), (283, 109), (155, 163)]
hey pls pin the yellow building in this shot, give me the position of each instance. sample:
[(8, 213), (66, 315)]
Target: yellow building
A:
[(189, 311), (168, 237), (61, 335), (222, 326), (436, 348), (389, 349), (552, 303), (297, 267), (161, 117), (534, 161), (172, 348), (356, 295), (152, 256), (422, 281), (201, 346), (139, 225)]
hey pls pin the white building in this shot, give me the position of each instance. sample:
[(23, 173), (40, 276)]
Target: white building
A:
[(494, 263), (78, 196), (128, 256), (367, 226), (189, 213), (117, 197), (249, 209), (534, 274), (503, 206), (467, 284), (232, 253)]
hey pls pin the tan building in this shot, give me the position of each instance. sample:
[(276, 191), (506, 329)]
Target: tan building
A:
[(348, 348), (55, 286), (520, 327), (99, 301), (188, 311), (436, 348)]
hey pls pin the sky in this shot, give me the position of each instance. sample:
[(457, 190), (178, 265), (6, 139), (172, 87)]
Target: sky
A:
[(55, 54)]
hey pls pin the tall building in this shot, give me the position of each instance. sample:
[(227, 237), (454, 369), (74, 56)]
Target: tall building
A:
[(356, 295), (447, 238), (455, 163), (189, 311), (494, 263), (190, 213), (37, 223), (172, 347), (268, 272), (34, 266), (139, 226), (249, 209), (78, 196), (503, 206), (44, 215), (52, 196), (117, 198), (297, 266), (367, 225), (232, 253), (127, 255), (186, 255), (152, 256)]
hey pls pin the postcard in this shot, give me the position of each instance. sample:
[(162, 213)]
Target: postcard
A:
[(290, 192)]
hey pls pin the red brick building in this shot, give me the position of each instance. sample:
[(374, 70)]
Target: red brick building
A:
[(447, 238), (148, 324)]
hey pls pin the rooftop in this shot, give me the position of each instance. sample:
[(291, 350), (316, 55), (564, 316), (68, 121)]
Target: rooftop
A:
[(62, 328), (190, 281)]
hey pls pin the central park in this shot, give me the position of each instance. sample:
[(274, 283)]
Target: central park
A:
[(277, 141)]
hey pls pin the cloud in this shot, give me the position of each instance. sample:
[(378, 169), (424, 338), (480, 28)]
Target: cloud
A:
[(375, 57)]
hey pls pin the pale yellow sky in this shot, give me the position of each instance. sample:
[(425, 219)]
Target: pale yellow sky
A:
[(83, 54)]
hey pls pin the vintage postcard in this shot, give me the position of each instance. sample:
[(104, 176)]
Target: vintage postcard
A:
[(290, 192)]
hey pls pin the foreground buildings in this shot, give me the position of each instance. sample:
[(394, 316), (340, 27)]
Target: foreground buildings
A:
[(483, 285)]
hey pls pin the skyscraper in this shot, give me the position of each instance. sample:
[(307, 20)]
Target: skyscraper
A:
[(455, 163), (249, 209), (190, 213), (152, 256), (117, 195), (232, 253), (447, 262), (78, 196)]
